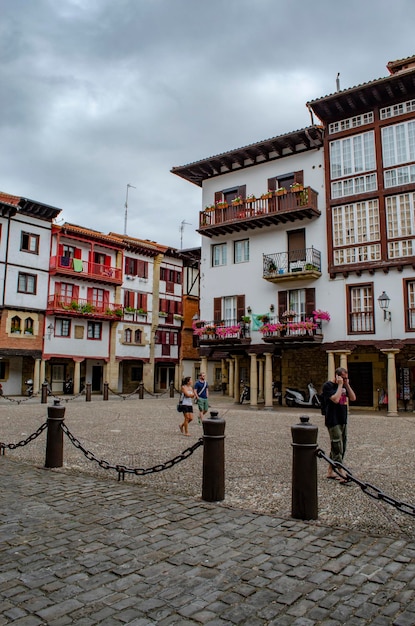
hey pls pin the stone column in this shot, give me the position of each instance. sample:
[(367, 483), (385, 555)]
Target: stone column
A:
[(343, 358), (204, 365), (392, 400), (261, 380), (77, 377), (231, 377), (36, 376), (236, 384), (42, 373), (268, 380), (224, 376), (253, 380), (331, 365)]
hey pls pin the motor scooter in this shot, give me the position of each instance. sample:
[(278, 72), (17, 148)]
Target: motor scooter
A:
[(295, 397), (29, 387), (245, 393)]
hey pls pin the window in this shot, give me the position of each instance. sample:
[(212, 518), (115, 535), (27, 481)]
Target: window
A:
[(296, 302), (351, 122), (138, 336), (68, 251), (29, 243), (241, 251), (219, 254), (136, 267), (15, 326), (410, 304), (26, 283), (28, 326), (397, 109), (400, 176), (398, 144), (62, 328), (352, 155), (360, 304), (94, 330), (127, 335)]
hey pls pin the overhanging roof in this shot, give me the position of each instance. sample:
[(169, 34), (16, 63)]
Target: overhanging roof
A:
[(295, 142), (349, 102)]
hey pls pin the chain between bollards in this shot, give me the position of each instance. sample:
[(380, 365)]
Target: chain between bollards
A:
[(213, 481), (304, 476)]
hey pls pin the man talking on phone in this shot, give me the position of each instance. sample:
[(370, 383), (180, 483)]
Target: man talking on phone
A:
[(336, 395)]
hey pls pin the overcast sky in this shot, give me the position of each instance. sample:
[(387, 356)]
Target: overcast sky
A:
[(98, 94)]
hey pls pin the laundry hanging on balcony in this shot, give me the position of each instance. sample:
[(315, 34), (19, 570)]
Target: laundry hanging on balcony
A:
[(77, 265)]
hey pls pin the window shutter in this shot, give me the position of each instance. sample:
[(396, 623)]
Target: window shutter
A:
[(217, 309), (107, 261), (310, 301), (89, 295), (218, 196), (58, 289), (75, 292), (163, 306), (242, 191), (272, 184), (240, 307), (299, 177), (60, 250), (78, 253), (144, 301), (282, 302), (106, 298)]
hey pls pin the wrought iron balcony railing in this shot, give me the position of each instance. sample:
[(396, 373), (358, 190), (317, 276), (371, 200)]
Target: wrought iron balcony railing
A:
[(293, 264), (228, 331)]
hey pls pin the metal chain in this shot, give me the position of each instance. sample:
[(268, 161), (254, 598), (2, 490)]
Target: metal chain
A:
[(24, 442), (123, 469), (369, 489), (124, 396)]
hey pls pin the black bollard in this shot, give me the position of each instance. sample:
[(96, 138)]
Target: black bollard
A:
[(44, 398), (213, 483), (105, 396), (172, 389), (304, 476), (141, 391), (88, 392), (54, 436)]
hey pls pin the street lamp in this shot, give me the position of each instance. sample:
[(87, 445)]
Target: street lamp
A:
[(384, 301)]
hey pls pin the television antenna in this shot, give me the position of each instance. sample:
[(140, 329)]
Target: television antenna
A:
[(126, 207), (182, 225)]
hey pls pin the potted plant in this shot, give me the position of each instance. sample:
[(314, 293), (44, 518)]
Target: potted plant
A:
[(209, 207), (289, 314), (281, 191), (129, 309), (176, 316), (250, 198), (141, 312), (267, 195), (237, 201), (222, 205), (321, 315), (246, 319), (118, 312), (163, 314), (295, 187)]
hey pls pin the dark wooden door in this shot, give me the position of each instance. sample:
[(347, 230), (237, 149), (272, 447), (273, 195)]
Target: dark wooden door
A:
[(361, 381)]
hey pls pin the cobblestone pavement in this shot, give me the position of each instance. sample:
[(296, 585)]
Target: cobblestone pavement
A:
[(78, 547)]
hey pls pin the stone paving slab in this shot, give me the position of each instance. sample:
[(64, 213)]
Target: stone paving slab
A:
[(78, 549)]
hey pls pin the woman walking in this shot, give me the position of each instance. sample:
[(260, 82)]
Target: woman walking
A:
[(187, 404)]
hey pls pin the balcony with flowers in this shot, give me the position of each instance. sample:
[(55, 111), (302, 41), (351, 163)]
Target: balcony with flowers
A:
[(292, 328), (222, 332), (273, 207), (80, 307), (295, 264)]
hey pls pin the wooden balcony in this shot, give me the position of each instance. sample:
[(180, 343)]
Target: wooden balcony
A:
[(78, 307), (78, 268), (276, 209), (294, 265)]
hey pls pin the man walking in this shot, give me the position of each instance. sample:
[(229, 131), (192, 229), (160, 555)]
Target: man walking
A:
[(201, 389), (336, 394)]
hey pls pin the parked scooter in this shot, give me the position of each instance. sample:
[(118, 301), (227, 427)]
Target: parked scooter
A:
[(245, 393), (29, 387), (295, 397), (68, 386)]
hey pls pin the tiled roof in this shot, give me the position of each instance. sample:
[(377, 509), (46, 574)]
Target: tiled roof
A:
[(86, 233), (145, 246)]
